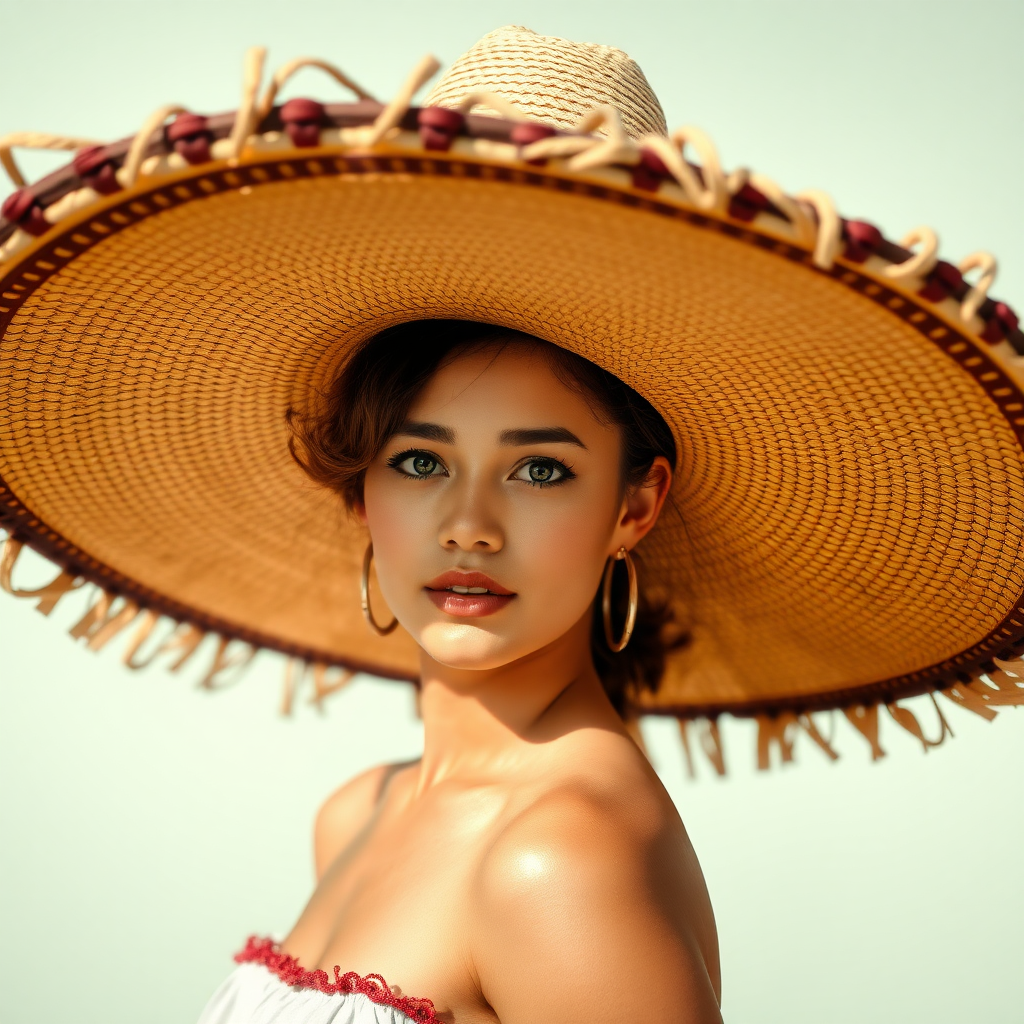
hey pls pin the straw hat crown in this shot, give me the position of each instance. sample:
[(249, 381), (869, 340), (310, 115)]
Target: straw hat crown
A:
[(553, 80)]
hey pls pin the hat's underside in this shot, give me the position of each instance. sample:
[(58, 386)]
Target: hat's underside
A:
[(847, 520)]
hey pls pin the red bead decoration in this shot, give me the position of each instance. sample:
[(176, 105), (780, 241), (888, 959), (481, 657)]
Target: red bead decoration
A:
[(16, 205), (190, 137), (944, 280), (1006, 316), (90, 159), (302, 121), (747, 203), (184, 126), (438, 127), (529, 131), (288, 969), (22, 208), (650, 172), (1001, 323), (525, 133), (949, 275), (97, 170), (862, 239), (302, 110)]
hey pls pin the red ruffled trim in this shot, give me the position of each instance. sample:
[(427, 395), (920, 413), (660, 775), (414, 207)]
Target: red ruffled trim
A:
[(288, 969)]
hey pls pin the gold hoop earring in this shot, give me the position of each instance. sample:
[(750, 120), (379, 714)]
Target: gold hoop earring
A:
[(364, 593), (606, 601)]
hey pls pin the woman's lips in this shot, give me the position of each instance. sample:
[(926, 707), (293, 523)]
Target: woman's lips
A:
[(451, 593)]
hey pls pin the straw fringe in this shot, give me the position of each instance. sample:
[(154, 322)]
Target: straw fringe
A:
[(48, 595), (295, 673), (864, 718), (100, 624), (781, 731), (109, 615)]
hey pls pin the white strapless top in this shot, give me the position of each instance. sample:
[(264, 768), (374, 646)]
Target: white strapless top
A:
[(270, 987)]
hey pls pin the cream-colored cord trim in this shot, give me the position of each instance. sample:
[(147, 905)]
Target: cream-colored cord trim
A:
[(393, 113), (137, 150), (283, 73), (683, 173), (245, 119), (34, 140), (716, 196), (806, 230), (921, 263), (830, 228), (557, 147), (614, 148), (986, 263), (493, 100), (575, 147)]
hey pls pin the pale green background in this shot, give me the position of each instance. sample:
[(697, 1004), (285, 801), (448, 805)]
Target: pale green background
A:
[(147, 828)]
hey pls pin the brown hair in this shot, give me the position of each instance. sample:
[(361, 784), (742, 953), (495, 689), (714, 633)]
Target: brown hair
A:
[(340, 436)]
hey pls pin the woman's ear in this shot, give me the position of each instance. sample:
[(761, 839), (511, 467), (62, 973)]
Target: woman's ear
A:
[(642, 505)]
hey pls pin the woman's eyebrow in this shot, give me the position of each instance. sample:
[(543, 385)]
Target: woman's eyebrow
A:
[(427, 431), (539, 435)]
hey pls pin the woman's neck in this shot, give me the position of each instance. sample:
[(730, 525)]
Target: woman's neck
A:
[(484, 723)]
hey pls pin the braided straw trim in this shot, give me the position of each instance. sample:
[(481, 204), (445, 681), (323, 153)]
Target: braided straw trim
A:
[(600, 140)]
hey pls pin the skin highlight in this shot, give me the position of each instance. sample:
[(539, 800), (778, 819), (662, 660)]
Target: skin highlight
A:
[(530, 866)]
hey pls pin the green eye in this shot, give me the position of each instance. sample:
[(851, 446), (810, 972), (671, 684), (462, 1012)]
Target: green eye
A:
[(417, 465), (542, 472)]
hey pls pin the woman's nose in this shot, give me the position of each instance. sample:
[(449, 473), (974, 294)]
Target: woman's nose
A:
[(471, 523)]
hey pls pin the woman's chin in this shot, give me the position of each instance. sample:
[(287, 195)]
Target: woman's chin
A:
[(463, 645)]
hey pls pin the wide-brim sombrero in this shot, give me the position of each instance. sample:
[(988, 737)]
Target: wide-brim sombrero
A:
[(847, 519)]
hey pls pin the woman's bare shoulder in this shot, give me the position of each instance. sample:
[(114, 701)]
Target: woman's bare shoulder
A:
[(593, 881), (347, 811), (600, 794)]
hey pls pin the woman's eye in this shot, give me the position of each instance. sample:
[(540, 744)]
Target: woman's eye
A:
[(542, 471), (416, 464)]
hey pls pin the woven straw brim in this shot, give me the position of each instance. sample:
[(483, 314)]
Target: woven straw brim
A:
[(847, 521)]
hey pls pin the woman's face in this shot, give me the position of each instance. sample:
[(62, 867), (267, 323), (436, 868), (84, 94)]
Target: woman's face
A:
[(494, 508)]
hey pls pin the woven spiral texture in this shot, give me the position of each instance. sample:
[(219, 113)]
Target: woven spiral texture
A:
[(849, 505), (553, 80)]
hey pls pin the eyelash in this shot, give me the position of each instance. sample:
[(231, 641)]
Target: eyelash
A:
[(566, 471), (395, 461)]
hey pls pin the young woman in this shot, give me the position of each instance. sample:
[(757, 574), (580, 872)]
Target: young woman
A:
[(532, 845), (523, 350)]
